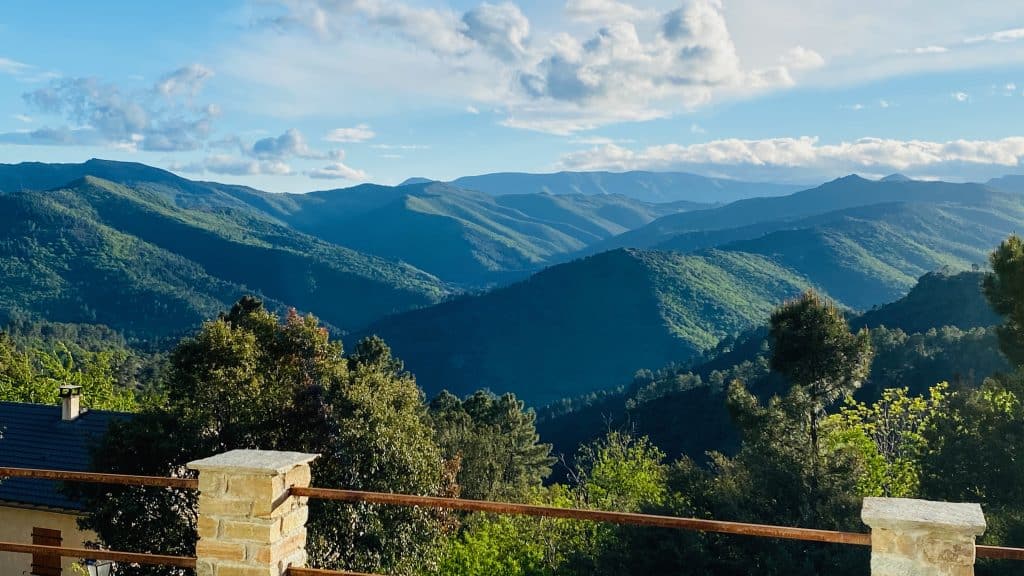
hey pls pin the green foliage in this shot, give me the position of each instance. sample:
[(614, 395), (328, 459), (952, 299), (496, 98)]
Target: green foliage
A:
[(496, 442), (890, 435), (250, 380), (618, 472), (1004, 288), (35, 375)]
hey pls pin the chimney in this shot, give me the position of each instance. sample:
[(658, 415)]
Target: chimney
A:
[(70, 402)]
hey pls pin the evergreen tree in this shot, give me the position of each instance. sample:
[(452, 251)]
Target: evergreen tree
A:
[(813, 347), (1004, 288), (249, 380)]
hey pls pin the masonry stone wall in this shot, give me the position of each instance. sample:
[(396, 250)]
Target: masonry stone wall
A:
[(249, 524)]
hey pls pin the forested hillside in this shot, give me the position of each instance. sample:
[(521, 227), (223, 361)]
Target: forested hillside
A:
[(622, 310), (98, 252)]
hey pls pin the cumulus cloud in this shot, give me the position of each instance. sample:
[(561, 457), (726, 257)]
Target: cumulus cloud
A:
[(95, 112), (291, 143), (639, 65), (360, 133), (338, 171), (960, 96), (500, 29), (806, 157)]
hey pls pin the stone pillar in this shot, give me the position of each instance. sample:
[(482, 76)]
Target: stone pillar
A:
[(248, 524), (922, 538)]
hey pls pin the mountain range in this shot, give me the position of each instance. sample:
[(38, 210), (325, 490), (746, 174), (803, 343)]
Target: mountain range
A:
[(476, 288)]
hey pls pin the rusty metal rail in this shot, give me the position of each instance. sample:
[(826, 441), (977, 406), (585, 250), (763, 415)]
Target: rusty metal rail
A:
[(623, 518), (130, 557), (319, 572), (627, 518), (120, 479)]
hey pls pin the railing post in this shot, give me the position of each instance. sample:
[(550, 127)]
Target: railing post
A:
[(248, 523), (922, 538)]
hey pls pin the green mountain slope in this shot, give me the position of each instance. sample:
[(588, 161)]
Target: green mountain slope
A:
[(96, 251), (646, 186), (941, 298), (588, 324), (463, 236)]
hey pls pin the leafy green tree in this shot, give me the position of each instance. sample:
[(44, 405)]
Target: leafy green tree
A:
[(618, 472), (249, 380), (1004, 288), (496, 440), (890, 434), (813, 347)]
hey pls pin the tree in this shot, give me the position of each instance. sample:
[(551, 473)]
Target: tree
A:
[(813, 347), (249, 380), (1004, 288), (496, 440), (891, 435)]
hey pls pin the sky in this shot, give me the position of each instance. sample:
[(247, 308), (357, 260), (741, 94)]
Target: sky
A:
[(300, 95)]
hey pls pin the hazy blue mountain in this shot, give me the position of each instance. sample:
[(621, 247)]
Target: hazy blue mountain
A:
[(646, 186), (588, 324), (1011, 183), (895, 178), (465, 236), (848, 192), (462, 236), (416, 180)]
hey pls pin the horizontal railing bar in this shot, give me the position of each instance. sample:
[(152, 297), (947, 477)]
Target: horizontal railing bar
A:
[(130, 557), (999, 552), (121, 479), (767, 531), (320, 572)]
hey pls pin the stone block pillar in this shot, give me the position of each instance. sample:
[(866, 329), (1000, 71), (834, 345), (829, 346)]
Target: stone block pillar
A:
[(922, 538), (248, 523)]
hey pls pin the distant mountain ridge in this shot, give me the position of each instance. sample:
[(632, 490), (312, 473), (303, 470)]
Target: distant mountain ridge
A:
[(644, 186)]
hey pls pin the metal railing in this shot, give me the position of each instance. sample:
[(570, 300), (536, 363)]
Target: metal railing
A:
[(621, 518)]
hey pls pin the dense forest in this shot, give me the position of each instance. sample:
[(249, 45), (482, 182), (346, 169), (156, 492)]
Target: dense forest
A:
[(790, 424)]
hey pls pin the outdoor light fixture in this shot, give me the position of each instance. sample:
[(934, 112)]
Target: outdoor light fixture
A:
[(99, 567)]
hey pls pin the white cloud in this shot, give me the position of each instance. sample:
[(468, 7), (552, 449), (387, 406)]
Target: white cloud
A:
[(922, 50), (234, 166), (855, 107), (806, 157), (639, 65), (338, 171), (13, 67), (360, 133), (472, 110), (1010, 88), (884, 103), (155, 119), (1011, 35), (291, 143), (697, 129), (188, 80), (400, 146), (500, 29), (604, 11), (960, 96), (22, 118), (800, 58)]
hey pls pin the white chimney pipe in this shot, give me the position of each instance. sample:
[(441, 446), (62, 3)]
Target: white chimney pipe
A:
[(70, 402)]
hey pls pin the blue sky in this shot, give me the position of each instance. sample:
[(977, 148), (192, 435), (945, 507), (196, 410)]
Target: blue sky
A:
[(297, 95)]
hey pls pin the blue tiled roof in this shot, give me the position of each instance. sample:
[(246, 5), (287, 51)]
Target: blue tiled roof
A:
[(34, 436)]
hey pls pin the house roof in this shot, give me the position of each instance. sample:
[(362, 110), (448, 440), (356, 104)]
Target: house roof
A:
[(34, 436)]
